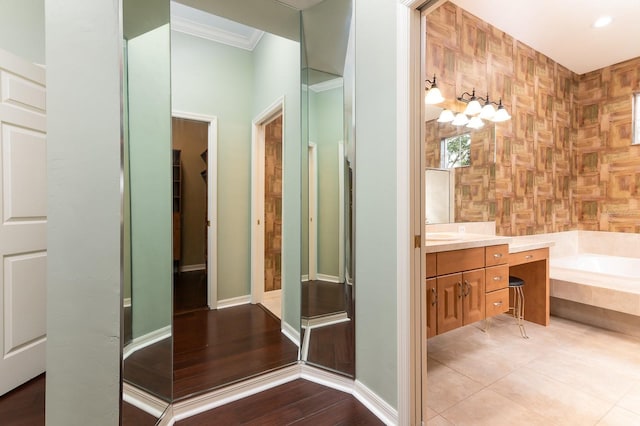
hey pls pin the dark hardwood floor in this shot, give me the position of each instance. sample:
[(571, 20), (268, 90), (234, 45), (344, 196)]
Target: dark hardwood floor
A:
[(215, 348), (189, 291), (321, 298), (299, 402)]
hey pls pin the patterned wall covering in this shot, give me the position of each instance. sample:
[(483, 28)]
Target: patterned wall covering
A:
[(607, 192), (533, 177), (273, 205)]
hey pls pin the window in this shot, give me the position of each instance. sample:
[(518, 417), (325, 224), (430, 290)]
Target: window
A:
[(455, 151), (635, 134)]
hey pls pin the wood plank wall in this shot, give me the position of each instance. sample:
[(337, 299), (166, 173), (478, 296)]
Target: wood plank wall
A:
[(564, 160)]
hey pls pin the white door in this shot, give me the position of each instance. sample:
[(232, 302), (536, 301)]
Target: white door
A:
[(23, 206)]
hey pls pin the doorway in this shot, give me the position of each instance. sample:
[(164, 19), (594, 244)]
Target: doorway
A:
[(267, 171), (194, 207)]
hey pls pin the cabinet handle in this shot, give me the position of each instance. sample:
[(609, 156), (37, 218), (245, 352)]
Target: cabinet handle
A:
[(434, 298), (497, 303), (497, 255), (460, 292), (497, 278), (529, 256), (467, 288)]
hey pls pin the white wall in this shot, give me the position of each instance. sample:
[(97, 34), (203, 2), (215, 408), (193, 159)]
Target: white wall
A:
[(22, 28), (84, 51)]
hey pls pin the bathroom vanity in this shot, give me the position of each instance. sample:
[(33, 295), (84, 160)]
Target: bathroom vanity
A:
[(467, 278)]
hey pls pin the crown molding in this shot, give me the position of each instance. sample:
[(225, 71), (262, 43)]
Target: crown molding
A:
[(326, 85), (197, 29)]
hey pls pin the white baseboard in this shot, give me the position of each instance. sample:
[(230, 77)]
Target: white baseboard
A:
[(234, 301), (191, 268), (375, 404), (216, 398), (328, 278), (304, 278), (291, 333), (234, 392), (126, 302), (145, 401), (146, 340), (325, 320)]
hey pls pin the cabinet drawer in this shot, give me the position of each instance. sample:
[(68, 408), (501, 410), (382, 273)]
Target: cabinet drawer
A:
[(460, 260), (496, 255), (431, 265), (496, 302), (497, 277), (528, 256)]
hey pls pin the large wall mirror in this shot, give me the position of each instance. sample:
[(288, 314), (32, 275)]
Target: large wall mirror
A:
[(459, 171), (328, 148), (212, 184)]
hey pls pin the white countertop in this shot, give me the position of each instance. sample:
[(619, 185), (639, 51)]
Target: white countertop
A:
[(458, 241)]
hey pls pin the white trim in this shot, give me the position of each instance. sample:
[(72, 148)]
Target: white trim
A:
[(192, 268), (126, 302), (197, 29), (234, 301), (212, 200), (234, 392), (408, 62), (291, 333), (145, 401), (329, 278), (327, 85), (324, 321), (375, 404), (257, 197), (341, 212), (313, 210), (304, 278), (146, 340)]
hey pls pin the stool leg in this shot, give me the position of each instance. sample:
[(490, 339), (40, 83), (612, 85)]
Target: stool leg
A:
[(519, 296)]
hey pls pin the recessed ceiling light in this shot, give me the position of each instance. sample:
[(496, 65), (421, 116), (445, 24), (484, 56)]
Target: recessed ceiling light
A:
[(602, 21)]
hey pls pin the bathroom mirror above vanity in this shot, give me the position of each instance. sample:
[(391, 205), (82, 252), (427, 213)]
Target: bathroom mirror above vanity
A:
[(459, 171)]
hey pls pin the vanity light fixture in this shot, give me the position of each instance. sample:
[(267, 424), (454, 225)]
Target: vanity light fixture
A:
[(473, 105), (446, 116), (501, 114), (475, 123), (460, 119), (433, 95), (488, 111)]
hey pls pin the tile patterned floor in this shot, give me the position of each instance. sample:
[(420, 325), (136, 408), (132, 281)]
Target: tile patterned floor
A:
[(565, 374)]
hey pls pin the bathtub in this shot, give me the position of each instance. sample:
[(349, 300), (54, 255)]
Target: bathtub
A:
[(597, 280)]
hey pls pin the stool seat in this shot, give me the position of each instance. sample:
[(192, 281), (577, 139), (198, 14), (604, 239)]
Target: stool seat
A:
[(515, 281)]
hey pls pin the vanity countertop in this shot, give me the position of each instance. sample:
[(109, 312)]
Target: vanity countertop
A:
[(459, 241), (524, 243)]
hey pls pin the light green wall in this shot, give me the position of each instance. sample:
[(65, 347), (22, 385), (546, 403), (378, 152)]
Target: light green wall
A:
[(375, 109), (277, 73), (215, 79), (22, 28), (326, 130), (84, 50), (149, 149)]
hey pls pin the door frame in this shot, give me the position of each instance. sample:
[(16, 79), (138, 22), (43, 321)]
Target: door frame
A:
[(341, 213), (313, 211), (212, 200), (257, 194)]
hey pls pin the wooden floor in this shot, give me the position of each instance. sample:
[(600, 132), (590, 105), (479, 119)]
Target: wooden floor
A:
[(323, 298), (299, 402)]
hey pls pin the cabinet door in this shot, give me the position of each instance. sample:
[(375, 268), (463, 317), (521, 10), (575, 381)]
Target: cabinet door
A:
[(473, 296), (449, 288), (432, 307)]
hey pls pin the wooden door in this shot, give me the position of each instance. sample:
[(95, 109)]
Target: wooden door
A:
[(23, 206), (273, 205), (449, 289), (473, 300), (432, 307)]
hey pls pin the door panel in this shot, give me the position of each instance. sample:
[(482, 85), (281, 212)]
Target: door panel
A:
[(432, 307), (23, 226), (449, 302), (474, 296)]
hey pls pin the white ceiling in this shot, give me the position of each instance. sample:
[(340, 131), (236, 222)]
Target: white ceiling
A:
[(562, 29)]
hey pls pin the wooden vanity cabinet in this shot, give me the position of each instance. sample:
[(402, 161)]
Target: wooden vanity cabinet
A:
[(465, 286)]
